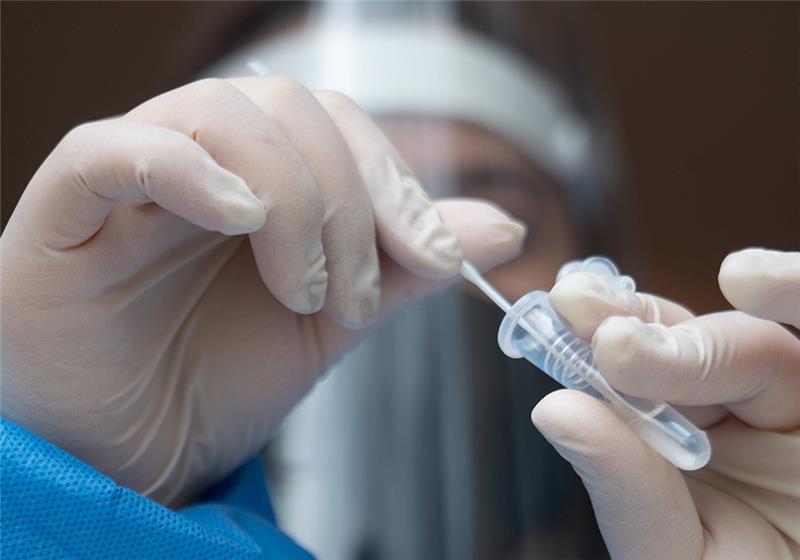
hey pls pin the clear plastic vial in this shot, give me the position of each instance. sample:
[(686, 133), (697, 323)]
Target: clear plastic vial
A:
[(532, 330)]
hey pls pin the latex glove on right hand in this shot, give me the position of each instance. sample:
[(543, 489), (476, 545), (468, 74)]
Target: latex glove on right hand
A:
[(736, 375), (176, 279)]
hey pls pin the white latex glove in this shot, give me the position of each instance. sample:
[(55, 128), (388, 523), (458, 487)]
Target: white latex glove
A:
[(146, 335), (738, 376)]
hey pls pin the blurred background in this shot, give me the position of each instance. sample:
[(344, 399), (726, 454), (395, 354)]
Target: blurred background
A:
[(695, 113)]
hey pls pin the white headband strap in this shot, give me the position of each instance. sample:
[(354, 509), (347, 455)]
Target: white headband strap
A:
[(402, 67)]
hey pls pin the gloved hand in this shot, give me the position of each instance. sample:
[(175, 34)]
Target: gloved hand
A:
[(146, 334), (735, 374)]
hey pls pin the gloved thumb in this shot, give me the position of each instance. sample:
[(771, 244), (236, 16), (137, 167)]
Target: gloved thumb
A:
[(642, 504)]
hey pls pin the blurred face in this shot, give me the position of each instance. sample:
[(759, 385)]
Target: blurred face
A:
[(457, 159)]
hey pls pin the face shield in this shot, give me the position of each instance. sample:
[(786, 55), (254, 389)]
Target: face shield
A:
[(418, 443)]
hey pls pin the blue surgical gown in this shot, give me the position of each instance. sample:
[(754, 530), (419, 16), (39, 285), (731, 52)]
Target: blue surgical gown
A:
[(54, 506)]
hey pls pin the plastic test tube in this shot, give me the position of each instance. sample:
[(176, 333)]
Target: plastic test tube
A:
[(532, 329)]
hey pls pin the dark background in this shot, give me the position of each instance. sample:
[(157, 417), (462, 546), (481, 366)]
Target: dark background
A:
[(704, 98)]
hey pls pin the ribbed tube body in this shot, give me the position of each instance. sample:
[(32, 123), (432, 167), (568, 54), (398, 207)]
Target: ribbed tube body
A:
[(533, 330)]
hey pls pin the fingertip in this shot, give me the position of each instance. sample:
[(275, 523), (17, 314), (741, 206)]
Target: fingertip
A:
[(243, 219), (585, 300), (745, 258), (636, 357), (316, 292), (238, 210), (488, 236), (738, 267), (304, 302), (613, 341), (615, 348), (559, 414), (304, 291), (573, 418), (583, 430), (763, 283), (359, 311), (361, 315), (313, 295), (591, 436)]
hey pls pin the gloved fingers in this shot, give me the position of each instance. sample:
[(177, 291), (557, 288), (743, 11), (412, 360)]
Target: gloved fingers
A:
[(235, 132), (585, 300), (759, 468), (748, 364), (641, 502), (733, 528), (409, 229), (763, 283), (488, 236), (704, 417), (101, 163), (348, 228)]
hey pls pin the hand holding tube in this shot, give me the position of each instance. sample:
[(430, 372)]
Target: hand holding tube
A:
[(174, 280), (531, 329), (733, 374)]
